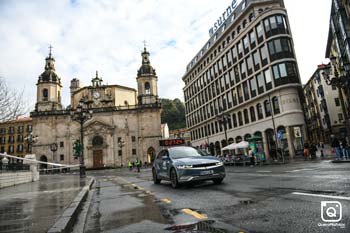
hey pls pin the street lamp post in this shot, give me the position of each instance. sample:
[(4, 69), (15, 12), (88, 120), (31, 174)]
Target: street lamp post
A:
[(31, 140), (121, 144), (341, 82), (223, 120), (81, 115)]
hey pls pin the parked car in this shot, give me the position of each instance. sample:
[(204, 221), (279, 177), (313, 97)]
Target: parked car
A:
[(181, 164)]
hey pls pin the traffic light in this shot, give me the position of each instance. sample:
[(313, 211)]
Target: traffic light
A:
[(76, 149)]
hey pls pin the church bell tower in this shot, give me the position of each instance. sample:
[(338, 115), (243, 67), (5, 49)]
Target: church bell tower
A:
[(147, 81), (48, 88)]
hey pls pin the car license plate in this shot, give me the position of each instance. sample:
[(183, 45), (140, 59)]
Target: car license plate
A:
[(208, 172)]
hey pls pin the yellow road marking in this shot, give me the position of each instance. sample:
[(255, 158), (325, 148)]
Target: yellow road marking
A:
[(194, 213), (166, 200)]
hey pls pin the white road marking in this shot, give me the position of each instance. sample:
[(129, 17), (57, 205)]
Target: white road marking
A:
[(321, 195), (264, 171), (299, 170)]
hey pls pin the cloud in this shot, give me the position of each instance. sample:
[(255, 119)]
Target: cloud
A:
[(108, 36)]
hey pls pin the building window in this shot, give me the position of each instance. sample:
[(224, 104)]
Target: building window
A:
[(134, 151), (340, 117), (267, 108), (97, 141), (260, 81), (61, 157), (260, 111), (147, 88), (275, 104), (268, 83), (133, 138), (61, 144), (234, 120), (45, 94), (337, 102), (252, 85), (119, 152), (246, 116), (240, 119), (252, 114), (263, 55)]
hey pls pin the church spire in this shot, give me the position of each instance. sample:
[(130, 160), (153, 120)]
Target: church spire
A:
[(50, 61), (146, 68)]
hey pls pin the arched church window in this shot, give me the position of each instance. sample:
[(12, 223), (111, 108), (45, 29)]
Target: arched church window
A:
[(45, 94), (147, 88), (97, 141)]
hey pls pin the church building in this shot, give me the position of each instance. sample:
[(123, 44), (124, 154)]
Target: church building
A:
[(120, 124)]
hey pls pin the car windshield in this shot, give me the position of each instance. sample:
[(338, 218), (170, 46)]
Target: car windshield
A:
[(183, 152)]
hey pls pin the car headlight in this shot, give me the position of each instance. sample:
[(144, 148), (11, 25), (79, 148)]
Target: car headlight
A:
[(184, 166), (219, 163)]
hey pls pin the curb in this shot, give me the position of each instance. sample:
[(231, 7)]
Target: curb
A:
[(340, 161), (66, 221)]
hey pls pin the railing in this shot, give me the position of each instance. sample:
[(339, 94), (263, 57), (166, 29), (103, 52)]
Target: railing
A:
[(13, 167), (96, 110)]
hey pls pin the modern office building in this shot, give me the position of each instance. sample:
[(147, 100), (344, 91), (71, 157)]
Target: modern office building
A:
[(338, 51), (244, 81), (124, 124), (323, 112), (13, 135)]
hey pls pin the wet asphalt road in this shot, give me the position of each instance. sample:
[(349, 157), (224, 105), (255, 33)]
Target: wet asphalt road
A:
[(274, 198), (33, 207)]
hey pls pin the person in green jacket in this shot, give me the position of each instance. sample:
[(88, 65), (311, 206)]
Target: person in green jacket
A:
[(138, 165), (129, 165)]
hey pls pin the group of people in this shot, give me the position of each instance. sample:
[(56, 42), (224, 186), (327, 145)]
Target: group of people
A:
[(340, 148), (137, 164), (310, 150)]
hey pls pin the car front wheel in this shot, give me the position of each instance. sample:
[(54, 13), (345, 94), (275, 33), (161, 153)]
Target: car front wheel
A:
[(173, 179), (155, 177)]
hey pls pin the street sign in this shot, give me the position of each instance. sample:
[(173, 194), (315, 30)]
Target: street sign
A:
[(171, 142), (279, 135)]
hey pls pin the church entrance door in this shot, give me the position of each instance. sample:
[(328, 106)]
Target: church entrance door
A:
[(98, 158)]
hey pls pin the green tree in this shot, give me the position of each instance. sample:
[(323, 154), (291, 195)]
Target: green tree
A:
[(173, 113)]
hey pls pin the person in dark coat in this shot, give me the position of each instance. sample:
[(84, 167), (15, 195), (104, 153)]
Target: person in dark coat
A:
[(336, 146), (313, 149)]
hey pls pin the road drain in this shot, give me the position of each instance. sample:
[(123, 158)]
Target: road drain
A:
[(202, 226), (247, 202)]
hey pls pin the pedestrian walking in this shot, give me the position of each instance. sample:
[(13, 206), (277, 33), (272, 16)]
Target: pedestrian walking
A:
[(129, 165), (313, 150), (251, 157), (138, 165), (336, 146), (344, 149), (306, 150)]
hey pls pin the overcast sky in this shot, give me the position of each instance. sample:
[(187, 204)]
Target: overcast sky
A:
[(108, 36)]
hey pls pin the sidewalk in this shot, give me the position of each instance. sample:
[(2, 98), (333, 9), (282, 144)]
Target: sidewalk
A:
[(34, 207)]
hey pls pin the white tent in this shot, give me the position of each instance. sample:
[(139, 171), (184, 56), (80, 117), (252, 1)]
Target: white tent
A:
[(241, 145)]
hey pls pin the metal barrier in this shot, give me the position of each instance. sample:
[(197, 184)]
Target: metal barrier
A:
[(12, 167)]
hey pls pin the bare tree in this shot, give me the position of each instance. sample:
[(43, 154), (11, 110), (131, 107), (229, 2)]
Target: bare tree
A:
[(11, 102)]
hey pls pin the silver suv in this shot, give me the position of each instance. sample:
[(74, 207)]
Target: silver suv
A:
[(180, 164)]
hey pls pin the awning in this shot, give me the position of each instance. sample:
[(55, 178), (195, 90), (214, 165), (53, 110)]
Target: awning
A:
[(241, 145)]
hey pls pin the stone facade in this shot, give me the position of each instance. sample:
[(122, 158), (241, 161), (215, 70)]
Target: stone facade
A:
[(124, 125)]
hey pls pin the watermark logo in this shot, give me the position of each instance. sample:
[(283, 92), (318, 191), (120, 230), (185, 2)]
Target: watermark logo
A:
[(331, 211), (331, 214)]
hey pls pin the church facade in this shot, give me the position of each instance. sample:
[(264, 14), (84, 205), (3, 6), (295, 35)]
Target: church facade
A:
[(125, 123)]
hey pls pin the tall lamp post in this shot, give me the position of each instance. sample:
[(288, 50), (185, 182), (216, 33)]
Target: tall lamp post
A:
[(81, 115), (223, 120), (31, 140), (121, 144), (341, 82)]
